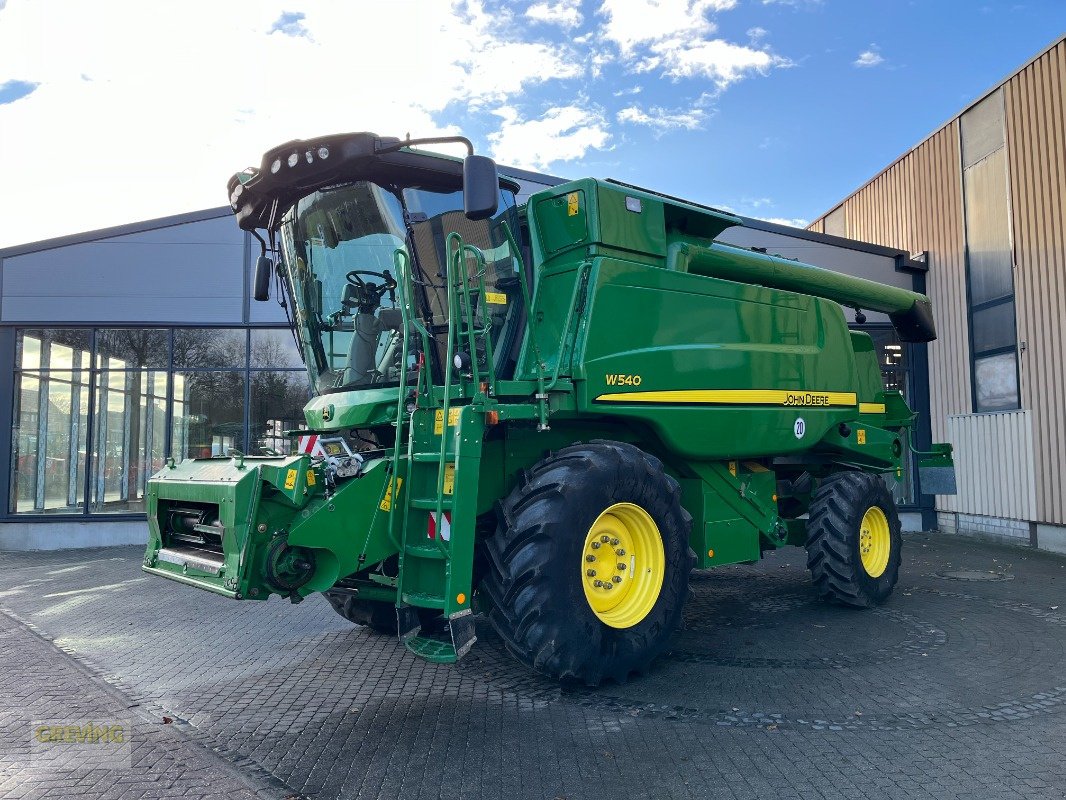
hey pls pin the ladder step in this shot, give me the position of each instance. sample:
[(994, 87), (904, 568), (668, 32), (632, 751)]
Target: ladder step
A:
[(461, 637), (429, 504), (425, 551), (434, 651)]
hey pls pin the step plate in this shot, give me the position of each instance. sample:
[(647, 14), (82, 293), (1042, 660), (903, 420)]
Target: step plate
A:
[(462, 635)]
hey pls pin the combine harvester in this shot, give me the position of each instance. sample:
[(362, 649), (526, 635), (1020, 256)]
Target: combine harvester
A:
[(554, 410)]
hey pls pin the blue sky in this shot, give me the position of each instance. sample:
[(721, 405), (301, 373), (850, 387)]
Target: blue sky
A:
[(774, 108)]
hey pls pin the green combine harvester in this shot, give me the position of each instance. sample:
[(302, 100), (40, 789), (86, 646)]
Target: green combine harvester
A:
[(551, 412)]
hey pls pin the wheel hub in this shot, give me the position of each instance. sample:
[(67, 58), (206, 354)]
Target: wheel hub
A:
[(875, 542), (622, 564)]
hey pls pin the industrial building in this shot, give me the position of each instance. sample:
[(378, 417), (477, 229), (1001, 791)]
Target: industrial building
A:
[(983, 201)]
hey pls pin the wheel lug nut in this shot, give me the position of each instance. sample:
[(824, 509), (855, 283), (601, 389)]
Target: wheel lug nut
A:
[(598, 584), (608, 586), (595, 546), (620, 552), (617, 579), (590, 557), (605, 539), (591, 573), (614, 542), (621, 566)]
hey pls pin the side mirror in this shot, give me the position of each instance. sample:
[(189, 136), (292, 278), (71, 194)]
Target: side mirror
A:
[(481, 187), (262, 278)]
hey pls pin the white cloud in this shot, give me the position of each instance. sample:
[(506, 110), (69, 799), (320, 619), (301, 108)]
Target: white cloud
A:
[(718, 60), (662, 120), (868, 58), (169, 107), (673, 37), (152, 113), (631, 23), (562, 133), (566, 13)]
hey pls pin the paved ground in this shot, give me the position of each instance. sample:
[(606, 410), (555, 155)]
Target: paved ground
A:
[(956, 688)]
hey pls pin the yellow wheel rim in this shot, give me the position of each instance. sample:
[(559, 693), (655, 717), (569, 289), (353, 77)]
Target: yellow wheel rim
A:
[(622, 565), (875, 542)]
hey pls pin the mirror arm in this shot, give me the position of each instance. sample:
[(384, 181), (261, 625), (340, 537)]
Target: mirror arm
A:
[(409, 142)]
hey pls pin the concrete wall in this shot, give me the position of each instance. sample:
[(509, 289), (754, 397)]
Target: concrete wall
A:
[(60, 535)]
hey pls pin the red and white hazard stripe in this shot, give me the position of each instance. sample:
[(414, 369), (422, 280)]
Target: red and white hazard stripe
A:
[(309, 444), (445, 528)]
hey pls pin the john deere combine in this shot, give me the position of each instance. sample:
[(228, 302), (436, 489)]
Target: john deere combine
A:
[(556, 410)]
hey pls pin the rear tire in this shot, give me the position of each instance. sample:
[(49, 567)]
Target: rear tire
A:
[(853, 539), (539, 584)]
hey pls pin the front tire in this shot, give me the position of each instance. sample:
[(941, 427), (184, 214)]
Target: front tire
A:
[(589, 564), (853, 539), (378, 616)]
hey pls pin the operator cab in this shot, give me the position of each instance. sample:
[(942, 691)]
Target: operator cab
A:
[(351, 212), (339, 248)]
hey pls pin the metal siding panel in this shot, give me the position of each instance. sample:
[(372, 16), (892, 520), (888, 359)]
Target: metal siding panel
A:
[(995, 464), (982, 129), (835, 222), (1036, 136), (189, 273)]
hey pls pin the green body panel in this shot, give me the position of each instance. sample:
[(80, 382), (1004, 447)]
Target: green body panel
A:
[(736, 369), (357, 409), (348, 529)]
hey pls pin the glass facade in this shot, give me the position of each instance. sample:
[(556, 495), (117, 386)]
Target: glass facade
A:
[(97, 411)]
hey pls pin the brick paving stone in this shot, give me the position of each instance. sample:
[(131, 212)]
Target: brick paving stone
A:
[(39, 682), (952, 689)]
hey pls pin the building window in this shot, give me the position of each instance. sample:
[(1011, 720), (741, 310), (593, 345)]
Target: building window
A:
[(50, 421), (989, 257), (97, 412)]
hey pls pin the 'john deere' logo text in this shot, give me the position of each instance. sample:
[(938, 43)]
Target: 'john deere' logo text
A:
[(806, 399)]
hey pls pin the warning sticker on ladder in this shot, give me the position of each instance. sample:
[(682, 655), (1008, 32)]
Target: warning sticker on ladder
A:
[(445, 528)]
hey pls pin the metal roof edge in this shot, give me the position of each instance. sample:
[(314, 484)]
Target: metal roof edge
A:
[(902, 258), (533, 177)]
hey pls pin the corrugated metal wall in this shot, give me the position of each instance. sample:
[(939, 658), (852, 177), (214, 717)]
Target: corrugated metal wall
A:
[(916, 204), (1000, 486), (1036, 164)]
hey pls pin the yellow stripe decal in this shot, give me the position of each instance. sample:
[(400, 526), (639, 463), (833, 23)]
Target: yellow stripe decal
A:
[(738, 397), (871, 408)]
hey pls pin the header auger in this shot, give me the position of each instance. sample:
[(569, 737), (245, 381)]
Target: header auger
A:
[(551, 412)]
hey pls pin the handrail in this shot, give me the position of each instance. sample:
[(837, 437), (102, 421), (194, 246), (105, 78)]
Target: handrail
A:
[(451, 263), (579, 285), (402, 263), (531, 329), (463, 292)]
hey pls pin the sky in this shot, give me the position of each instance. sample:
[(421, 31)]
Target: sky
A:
[(116, 111)]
